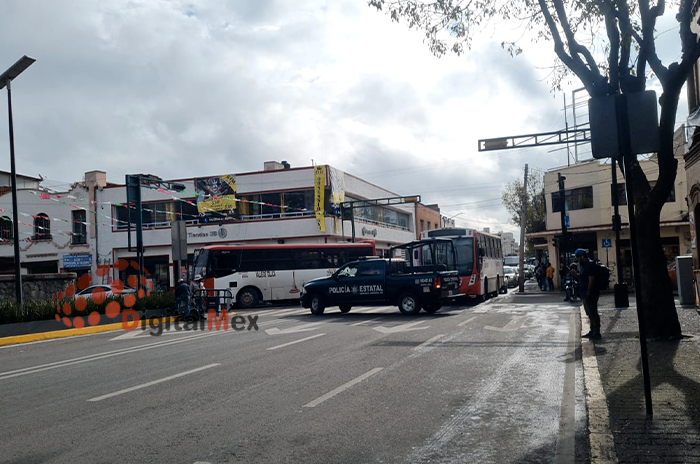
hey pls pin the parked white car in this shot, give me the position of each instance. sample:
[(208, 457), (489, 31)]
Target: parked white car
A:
[(87, 292)]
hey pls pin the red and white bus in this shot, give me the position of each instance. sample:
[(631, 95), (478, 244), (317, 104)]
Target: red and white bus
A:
[(479, 260), (257, 273)]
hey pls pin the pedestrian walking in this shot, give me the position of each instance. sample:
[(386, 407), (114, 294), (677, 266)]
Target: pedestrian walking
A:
[(589, 291), (196, 295), (182, 298), (563, 272), (539, 275), (550, 276)]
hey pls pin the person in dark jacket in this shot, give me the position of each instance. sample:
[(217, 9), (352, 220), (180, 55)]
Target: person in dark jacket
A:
[(588, 289), (182, 297)]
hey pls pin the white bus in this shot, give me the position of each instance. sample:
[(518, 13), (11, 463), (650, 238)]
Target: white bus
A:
[(258, 273), (479, 260)]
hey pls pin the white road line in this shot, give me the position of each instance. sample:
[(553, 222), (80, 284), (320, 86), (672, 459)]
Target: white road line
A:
[(342, 388), (95, 357), (467, 321), (368, 320), (154, 382), (295, 341), (428, 342)]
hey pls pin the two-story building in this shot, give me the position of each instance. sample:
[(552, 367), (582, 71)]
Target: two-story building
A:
[(277, 205), (589, 208)]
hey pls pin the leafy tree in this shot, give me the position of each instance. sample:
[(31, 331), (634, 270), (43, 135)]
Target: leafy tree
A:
[(610, 45), (512, 198)]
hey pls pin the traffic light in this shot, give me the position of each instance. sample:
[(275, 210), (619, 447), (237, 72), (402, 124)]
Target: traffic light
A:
[(555, 242)]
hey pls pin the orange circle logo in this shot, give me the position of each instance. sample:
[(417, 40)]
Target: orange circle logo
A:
[(79, 305)]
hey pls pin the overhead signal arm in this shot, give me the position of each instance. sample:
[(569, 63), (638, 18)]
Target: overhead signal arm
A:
[(536, 140)]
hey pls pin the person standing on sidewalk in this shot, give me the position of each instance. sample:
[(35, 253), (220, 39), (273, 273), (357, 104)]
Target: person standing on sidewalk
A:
[(550, 277), (588, 289)]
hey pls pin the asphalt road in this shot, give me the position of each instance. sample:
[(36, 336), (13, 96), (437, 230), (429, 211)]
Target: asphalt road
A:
[(495, 382)]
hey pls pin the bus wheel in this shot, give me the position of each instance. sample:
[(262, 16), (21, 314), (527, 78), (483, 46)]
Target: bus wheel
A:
[(247, 298), (432, 308), (345, 308), (485, 294), (317, 304), (409, 304)]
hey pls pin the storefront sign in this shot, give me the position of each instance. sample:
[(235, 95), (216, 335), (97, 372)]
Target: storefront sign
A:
[(77, 261)]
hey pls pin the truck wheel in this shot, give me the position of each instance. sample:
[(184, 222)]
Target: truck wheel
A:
[(247, 298), (317, 304), (409, 304), (432, 308), (345, 308)]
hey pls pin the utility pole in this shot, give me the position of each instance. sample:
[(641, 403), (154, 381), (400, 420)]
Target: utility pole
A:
[(562, 207), (523, 213)]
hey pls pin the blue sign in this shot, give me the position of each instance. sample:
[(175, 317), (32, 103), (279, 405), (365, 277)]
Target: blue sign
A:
[(566, 221), (607, 243), (77, 261)]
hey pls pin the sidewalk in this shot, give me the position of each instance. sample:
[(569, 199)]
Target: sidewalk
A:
[(673, 434)]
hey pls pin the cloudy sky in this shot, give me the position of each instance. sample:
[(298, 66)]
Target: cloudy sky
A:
[(201, 87)]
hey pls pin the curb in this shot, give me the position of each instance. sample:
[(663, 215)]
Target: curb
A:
[(28, 338), (600, 437)]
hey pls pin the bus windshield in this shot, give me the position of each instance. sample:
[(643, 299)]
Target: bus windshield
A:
[(465, 255)]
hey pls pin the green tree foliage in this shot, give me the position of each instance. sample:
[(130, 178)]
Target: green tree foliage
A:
[(512, 198), (610, 46)]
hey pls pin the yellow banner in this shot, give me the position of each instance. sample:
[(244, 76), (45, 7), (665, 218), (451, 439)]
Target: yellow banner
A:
[(216, 204), (319, 195)]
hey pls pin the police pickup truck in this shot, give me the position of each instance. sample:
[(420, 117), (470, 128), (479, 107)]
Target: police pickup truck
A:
[(419, 279)]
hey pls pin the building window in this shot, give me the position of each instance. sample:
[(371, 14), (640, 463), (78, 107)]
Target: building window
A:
[(42, 227), (5, 228), (422, 225), (79, 227), (428, 225), (156, 214), (578, 198)]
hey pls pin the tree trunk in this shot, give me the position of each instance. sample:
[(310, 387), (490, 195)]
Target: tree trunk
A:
[(660, 316)]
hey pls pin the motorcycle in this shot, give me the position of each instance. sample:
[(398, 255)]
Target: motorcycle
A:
[(571, 288)]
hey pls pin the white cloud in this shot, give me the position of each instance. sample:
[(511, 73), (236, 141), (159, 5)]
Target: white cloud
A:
[(159, 86)]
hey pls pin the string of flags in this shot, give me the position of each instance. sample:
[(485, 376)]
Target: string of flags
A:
[(61, 199)]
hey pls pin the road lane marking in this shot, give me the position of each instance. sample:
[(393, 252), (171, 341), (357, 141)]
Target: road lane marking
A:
[(154, 382), (95, 357), (401, 328), (467, 321), (512, 326), (295, 341), (428, 342), (295, 329), (367, 321), (342, 388)]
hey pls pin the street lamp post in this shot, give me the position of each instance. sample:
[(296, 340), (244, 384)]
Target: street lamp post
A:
[(5, 80)]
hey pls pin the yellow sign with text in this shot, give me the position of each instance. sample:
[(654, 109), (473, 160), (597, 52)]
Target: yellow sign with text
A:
[(319, 195)]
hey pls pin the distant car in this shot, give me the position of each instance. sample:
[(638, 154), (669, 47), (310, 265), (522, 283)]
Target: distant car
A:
[(510, 276), (87, 293), (529, 271)]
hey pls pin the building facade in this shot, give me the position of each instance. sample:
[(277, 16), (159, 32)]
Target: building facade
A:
[(427, 218), (53, 228), (508, 243), (277, 205), (589, 209)]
